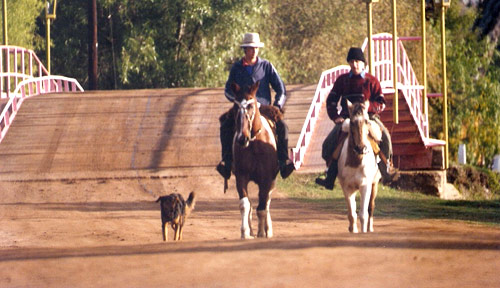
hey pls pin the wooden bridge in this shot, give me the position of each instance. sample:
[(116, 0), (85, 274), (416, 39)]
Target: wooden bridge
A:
[(103, 133)]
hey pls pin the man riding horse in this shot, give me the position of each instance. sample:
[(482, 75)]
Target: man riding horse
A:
[(245, 72), (355, 86)]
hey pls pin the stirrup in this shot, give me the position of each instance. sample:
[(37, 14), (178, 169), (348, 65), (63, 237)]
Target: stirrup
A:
[(223, 170)]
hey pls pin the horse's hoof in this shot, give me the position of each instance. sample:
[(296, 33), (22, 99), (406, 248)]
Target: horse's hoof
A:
[(246, 235), (353, 229)]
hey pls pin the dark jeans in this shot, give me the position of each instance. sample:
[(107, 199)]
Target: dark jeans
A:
[(330, 142)]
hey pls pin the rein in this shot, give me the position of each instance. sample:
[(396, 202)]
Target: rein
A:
[(243, 106)]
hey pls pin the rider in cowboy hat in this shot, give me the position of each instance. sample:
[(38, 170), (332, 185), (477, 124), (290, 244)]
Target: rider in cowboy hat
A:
[(247, 71)]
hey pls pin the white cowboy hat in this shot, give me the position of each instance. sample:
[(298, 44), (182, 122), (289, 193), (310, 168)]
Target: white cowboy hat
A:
[(251, 40)]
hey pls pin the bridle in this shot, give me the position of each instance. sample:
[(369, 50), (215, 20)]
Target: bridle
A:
[(359, 150), (243, 112)]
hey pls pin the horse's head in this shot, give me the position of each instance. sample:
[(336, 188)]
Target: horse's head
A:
[(359, 126), (247, 112)]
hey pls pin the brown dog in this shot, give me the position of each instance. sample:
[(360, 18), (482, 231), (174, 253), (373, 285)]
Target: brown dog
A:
[(175, 210)]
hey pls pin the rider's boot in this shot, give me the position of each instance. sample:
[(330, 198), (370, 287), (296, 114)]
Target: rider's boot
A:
[(331, 175), (226, 140), (389, 173), (285, 164)]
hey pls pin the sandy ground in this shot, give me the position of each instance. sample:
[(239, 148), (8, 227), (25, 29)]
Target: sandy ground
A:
[(106, 232)]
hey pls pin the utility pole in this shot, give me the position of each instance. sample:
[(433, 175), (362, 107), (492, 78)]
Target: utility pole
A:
[(92, 19), (4, 11)]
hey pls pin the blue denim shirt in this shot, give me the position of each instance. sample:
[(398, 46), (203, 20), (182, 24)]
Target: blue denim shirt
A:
[(262, 71)]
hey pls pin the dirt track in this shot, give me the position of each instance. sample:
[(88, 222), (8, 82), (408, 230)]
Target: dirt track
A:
[(106, 233), (77, 210)]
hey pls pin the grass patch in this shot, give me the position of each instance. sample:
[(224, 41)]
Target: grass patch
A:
[(392, 203)]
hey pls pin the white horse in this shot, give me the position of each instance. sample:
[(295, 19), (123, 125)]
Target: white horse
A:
[(358, 166)]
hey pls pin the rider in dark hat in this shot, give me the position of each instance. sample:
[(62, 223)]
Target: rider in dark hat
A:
[(355, 86)]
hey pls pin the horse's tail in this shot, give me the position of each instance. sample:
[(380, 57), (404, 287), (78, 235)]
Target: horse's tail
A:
[(190, 202)]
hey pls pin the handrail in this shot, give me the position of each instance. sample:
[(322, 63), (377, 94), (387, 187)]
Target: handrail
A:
[(32, 87), (18, 64), (30, 78), (382, 62), (324, 86), (406, 78)]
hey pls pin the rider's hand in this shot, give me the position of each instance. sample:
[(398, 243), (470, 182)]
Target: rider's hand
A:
[(338, 120), (378, 107)]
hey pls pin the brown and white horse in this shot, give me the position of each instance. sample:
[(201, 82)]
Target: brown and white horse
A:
[(254, 159), (358, 166)]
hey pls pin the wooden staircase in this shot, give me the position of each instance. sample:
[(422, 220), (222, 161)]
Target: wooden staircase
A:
[(410, 152)]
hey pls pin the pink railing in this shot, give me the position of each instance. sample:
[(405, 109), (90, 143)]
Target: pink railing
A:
[(23, 75), (18, 64), (382, 67), (406, 78), (325, 84)]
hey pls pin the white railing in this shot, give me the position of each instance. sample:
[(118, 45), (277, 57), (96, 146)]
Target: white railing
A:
[(18, 64), (325, 84), (406, 78), (23, 75), (382, 67)]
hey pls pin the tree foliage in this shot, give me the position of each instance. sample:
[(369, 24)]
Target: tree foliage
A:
[(22, 23), (153, 44), (473, 71)]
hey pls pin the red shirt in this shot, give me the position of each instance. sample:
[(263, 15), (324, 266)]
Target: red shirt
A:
[(356, 88)]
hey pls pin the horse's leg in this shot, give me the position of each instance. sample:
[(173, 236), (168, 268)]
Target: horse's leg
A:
[(371, 207), (350, 198), (245, 209), (365, 192), (265, 222)]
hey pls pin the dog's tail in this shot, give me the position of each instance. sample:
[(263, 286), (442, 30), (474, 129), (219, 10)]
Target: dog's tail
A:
[(191, 201), (158, 200)]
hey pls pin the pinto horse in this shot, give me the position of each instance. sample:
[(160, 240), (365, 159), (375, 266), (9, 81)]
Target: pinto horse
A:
[(358, 166), (254, 159)]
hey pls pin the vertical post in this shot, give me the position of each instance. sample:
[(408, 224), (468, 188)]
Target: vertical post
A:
[(445, 88), (395, 64), (92, 71), (5, 42), (424, 63), (4, 11), (48, 43), (369, 8)]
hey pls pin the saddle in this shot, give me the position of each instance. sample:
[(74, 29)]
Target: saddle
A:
[(271, 113), (343, 136)]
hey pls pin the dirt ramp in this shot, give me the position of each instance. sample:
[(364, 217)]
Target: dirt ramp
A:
[(125, 130)]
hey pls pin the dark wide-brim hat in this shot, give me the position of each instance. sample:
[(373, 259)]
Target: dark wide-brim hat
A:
[(355, 53)]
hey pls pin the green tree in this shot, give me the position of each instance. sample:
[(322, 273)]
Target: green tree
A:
[(153, 44), (473, 89), (21, 23)]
